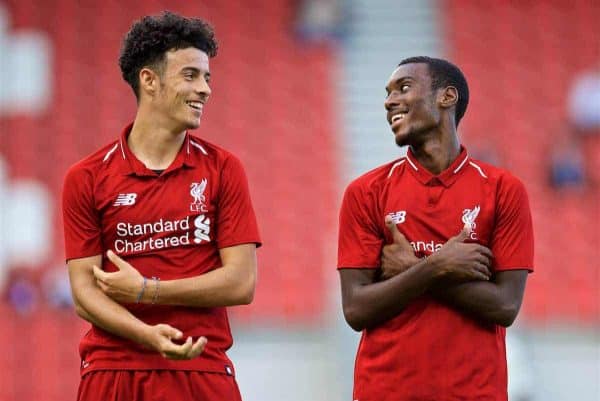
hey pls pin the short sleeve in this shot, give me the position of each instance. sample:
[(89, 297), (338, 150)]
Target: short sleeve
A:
[(359, 241), (236, 220), (512, 239), (81, 221)]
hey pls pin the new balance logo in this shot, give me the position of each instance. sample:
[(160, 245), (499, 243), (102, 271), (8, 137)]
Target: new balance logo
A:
[(398, 217), (125, 199)]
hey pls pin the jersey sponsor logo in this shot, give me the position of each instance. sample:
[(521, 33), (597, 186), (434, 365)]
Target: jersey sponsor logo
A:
[(161, 234), (202, 231), (468, 217), (179, 230), (125, 199), (197, 192), (426, 246), (398, 217)]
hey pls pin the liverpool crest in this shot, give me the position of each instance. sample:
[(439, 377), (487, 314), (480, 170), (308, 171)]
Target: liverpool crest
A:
[(197, 192)]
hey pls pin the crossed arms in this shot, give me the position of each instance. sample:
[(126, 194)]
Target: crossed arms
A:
[(457, 275), (98, 296)]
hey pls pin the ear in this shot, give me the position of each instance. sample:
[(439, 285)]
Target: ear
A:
[(149, 81), (448, 97)]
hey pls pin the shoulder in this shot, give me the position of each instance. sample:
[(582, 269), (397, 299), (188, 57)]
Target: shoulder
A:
[(377, 177), (508, 187), (91, 165), (202, 149)]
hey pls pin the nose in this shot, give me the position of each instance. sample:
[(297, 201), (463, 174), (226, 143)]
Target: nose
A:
[(391, 101), (203, 87)]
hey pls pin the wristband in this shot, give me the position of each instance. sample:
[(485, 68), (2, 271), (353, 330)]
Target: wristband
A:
[(141, 294), (156, 289)]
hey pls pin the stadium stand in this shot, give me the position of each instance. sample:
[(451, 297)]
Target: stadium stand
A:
[(510, 55), (270, 106)]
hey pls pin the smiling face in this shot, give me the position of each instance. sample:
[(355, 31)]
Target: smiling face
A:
[(411, 104), (182, 88)]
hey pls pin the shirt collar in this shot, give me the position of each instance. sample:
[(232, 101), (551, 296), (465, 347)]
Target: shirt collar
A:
[(133, 165), (446, 177)]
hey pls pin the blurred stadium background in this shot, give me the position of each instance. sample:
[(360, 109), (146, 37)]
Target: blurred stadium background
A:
[(298, 89)]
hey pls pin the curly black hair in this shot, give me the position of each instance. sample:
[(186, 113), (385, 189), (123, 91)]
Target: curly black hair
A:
[(443, 73), (151, 37)]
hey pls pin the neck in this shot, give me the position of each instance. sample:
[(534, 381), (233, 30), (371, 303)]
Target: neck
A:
[(153, 143), (437, 152)]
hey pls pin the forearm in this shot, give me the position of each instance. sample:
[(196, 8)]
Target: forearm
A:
[(371, 304), (483, 300), (224, 286), (97, 308)]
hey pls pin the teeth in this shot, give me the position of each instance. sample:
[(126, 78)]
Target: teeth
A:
[(195, 105), (398, 117)]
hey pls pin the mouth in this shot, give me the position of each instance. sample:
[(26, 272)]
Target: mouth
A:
[(196, 105), (397, 118)]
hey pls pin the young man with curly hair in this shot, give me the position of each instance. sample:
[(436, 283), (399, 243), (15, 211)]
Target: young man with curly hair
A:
[(434, 252), (160, 232)]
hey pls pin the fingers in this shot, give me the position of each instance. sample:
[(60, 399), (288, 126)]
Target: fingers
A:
[(198, 347), (481, 272), (117, 261), (463, 234), (100, 274), (483, 269), (187, 350), (485, 251), (170, 332), (396, 234)]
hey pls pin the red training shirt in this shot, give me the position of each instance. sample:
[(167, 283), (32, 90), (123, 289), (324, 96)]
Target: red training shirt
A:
[(170, 226), (431, 351)]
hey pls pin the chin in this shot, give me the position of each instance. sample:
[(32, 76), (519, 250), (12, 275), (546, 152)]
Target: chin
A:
[(192, 124), (402, 138)]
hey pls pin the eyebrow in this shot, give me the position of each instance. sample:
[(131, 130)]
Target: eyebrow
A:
[(398, 81)]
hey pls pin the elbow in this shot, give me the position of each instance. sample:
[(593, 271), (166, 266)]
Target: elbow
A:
[(245, 292), (507, 315), (80, 311), (246, 297), (354, 318)]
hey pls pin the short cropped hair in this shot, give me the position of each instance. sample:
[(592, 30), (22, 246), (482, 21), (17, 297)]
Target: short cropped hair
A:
[(443, 73), (151, 37)]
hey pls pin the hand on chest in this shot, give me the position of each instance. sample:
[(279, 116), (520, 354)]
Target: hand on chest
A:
[(429, 216)]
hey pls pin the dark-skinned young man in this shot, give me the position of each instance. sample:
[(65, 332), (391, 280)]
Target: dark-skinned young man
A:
[(434, 252)]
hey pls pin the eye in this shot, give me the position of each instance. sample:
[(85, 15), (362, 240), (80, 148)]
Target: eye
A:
[(404, 88)]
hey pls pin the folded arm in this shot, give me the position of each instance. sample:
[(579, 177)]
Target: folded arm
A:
[(231, 284), (94, 306), (496, 301), (367, 302)]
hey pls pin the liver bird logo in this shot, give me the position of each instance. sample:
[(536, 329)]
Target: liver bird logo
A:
[(197, 191), (469, 216)]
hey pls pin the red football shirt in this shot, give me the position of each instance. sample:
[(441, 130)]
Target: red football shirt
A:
[(431, 351), (170, 226)]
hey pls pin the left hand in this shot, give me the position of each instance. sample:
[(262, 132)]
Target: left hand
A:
[(124, 285), (398, 256)]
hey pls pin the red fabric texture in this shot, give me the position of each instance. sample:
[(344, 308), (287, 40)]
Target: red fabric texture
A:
[(157, 385), (431, 351), (156, 223)]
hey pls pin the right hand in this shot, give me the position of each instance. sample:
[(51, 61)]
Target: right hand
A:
[(460, 261), (160, 338)]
